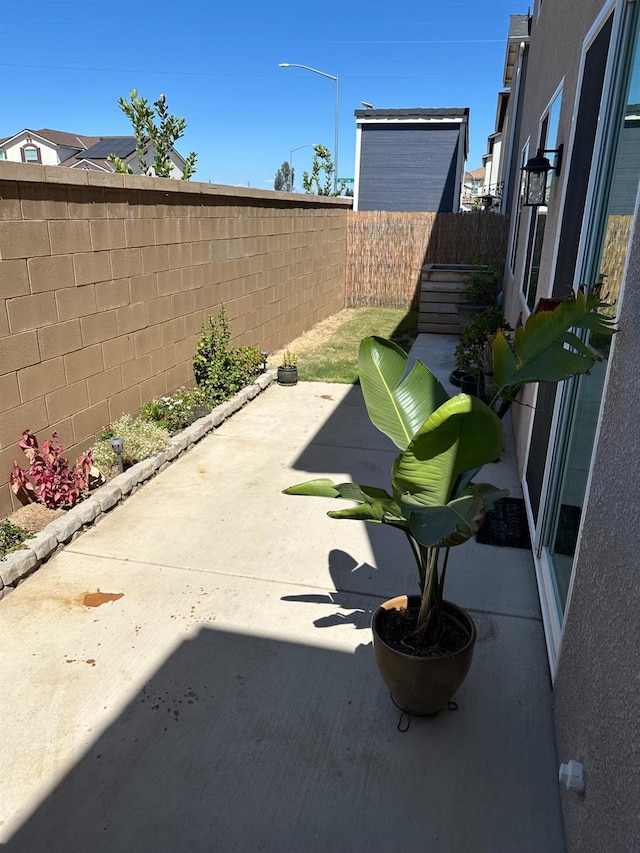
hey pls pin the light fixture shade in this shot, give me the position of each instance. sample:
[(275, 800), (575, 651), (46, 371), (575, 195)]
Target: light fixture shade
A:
[(537, 171), (535, 192)]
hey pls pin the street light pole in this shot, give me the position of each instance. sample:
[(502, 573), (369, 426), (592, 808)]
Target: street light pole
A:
[(333, 77), (291, 150)]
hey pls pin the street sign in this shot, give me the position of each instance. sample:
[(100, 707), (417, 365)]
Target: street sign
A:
[(345, 180)]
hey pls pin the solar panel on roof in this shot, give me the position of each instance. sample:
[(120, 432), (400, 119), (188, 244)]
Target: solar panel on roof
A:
[(121, 146)]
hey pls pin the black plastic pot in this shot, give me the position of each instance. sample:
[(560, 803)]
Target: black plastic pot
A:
[(456, 376), (287, 375), (422, 685), (469, 385)]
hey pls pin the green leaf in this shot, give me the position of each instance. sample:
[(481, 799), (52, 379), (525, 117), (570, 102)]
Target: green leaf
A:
[(540, 354), (445, 526), (397, 408), (461, 434), (320, 488), (374, 504)]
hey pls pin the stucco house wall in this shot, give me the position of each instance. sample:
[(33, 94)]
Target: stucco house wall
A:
[(596, 689)]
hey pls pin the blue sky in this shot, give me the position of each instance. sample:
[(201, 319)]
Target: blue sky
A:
[(65, 64)]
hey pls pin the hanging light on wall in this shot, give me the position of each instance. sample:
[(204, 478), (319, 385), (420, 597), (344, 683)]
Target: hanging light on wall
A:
[(537, 170)]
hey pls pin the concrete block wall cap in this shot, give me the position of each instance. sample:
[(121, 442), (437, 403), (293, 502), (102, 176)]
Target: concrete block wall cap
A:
[(28, 172), (56, 175), (17, 565)]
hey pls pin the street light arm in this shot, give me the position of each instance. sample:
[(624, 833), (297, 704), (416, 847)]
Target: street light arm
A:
[(307, 68), (333, 77)]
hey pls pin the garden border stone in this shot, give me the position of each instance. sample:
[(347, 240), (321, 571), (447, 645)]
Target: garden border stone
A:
[(17, 566)]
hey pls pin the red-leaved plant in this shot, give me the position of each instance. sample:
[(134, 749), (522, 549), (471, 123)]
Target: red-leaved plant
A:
[(49, 479)]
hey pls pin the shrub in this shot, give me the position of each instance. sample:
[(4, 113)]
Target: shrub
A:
[(483, 284), (289, 359), (473, 353), (176, 411), (221, 371), (11, 538), (141, 440), (49, 479)]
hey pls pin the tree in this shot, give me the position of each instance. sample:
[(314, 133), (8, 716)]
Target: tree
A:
[(158, 127), (321, 163), (284, 178)]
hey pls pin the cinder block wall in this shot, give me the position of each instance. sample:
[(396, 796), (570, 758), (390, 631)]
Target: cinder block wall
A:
[(106, 280)]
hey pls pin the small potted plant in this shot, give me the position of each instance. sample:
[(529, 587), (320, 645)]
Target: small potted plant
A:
[(288, 370), (424, 644)]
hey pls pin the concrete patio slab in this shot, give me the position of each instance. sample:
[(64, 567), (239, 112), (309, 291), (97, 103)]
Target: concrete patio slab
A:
[(222, 691)]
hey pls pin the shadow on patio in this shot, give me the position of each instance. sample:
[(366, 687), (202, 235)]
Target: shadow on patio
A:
[(232, 703)]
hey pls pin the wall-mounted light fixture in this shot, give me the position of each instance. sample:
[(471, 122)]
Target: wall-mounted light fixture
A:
[(486, 201), (537, 170), (117, 444)]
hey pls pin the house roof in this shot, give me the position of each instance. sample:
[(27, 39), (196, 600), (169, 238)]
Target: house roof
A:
[(518, 33), (477, 174), (416, 112), (57, 137), (69, 140), (121, 146), (94, 149)]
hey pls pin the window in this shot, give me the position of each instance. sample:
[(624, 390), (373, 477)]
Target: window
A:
[(2, 155), (548, 139), (30, 154)]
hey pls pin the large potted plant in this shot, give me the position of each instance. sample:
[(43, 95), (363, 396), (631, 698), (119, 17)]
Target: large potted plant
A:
[(424, 644)]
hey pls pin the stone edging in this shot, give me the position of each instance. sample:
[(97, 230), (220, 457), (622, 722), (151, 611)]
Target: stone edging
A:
[(20, 564)]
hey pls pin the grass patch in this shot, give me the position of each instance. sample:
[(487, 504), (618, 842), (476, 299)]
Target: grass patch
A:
[(335, 358)]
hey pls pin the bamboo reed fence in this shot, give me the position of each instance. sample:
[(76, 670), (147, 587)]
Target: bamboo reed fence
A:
[(614, 255), (387, 250)]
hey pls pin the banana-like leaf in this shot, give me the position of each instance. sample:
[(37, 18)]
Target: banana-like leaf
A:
[(460, 435), (454, 523), (319, 488), (540, 354), (374, 504), (397, 407)]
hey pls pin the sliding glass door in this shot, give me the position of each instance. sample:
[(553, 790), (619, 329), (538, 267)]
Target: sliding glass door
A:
[(605, 239)]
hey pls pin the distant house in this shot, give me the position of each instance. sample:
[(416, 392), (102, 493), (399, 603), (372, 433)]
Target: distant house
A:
[(76, 151), (410, 159), (472, 188)]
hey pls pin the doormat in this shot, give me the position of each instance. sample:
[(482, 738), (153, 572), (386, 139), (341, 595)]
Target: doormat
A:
[(505, 525)]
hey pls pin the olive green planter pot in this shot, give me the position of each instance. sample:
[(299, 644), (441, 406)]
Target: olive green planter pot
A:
[(287, 376), (422, 685)]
